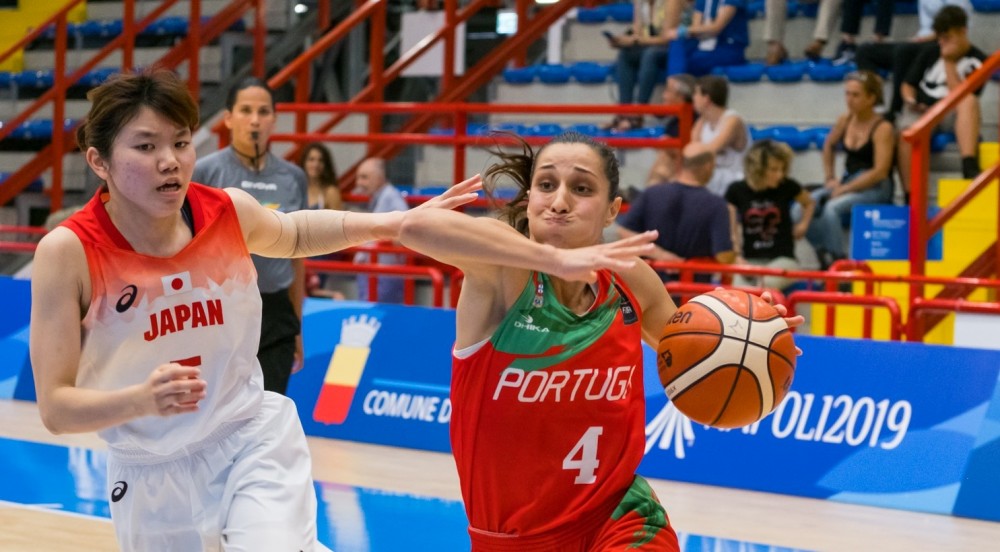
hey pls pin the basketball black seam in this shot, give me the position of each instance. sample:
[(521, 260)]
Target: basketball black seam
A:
[(695, 332), (742, 364)]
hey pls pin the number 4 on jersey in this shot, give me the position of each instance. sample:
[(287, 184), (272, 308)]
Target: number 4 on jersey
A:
[(583, 457)]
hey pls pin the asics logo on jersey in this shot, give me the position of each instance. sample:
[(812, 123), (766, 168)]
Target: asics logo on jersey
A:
[(129, 293), (528, 323), (119, 491), (670, 430)]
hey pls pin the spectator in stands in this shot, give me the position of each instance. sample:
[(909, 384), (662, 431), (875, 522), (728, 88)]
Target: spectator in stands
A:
[(937, 71), (317, 163), (763, 231), (679, 90), (868, 140), (723, 130), (775, 16), (383, 197), (717, 37), (692, 222), (324, 193), (277, 184), (897, 56), (850, 25), (642, 53)]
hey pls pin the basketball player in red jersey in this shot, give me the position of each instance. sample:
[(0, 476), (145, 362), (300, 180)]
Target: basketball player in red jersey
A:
[(548, 422)]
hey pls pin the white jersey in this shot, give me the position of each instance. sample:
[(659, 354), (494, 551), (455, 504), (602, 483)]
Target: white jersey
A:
[(200, 307), (729, 161)]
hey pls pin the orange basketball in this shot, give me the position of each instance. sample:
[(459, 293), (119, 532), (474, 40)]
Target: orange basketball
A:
[(726, 358)]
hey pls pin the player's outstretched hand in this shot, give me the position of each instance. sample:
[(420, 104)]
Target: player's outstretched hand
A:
[(582, 264), (792, 321), (173, 389), (455, 196)]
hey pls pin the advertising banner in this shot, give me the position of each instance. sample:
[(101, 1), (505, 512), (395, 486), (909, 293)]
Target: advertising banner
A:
[(877, 423)]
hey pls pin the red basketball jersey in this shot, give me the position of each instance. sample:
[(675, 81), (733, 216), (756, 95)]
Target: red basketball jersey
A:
[(548, 416), (200, 307)]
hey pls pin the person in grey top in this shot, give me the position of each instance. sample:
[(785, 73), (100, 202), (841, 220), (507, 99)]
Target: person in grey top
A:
[(383, 197), (277, 184)]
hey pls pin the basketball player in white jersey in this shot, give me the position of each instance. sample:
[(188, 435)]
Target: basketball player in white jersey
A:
[(145, 323)]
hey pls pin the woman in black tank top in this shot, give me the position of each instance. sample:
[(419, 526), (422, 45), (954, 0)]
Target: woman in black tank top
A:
[(869, 142)]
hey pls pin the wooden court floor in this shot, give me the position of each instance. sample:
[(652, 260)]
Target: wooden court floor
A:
[(755, 517)]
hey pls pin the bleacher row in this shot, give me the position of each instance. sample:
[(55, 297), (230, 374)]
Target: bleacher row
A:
[(169, 26), (799, 139), (622, 12)]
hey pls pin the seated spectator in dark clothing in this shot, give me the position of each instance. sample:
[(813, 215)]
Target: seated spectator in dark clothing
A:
[(937, 71), (896, 57), (850, 25), (693, 222), (717, 37), (642, 53), (679, 90), (868, 139), (764, 233)]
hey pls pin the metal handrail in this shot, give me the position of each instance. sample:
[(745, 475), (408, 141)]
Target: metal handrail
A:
[(918, 135), (435, 276)]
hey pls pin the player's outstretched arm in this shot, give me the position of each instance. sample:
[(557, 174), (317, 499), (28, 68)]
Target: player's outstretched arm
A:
[(59, 281), (475, 243), (316, 232)]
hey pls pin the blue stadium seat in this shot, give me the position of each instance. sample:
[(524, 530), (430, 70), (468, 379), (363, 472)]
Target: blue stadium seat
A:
[(818, 135), (37, 129), (477, 129), (622, 12), (787, 72), (751, 72), (986, 6), (830, 73), (544, 129), (522, 75), (589, 72), (755, 9), (553, 74), (43, 78), (96, 77), (588, 129), (809, 9), (5, 79), (441, 131), (516, 128), (592, 15), (35, 185), (430, 190), (905, 8), (168, 26), (796, 139), (940, 141)]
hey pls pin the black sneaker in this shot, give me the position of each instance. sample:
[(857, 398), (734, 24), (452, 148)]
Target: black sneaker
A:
[(845, 53)]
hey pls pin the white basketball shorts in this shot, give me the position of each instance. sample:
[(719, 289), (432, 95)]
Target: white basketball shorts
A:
[(249, 489)]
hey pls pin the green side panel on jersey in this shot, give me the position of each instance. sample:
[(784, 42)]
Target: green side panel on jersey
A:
[(640, 499), (544, 336)]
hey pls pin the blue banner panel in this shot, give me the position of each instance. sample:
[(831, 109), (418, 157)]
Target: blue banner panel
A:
[(882, 233), (879, 423), (376, 373)]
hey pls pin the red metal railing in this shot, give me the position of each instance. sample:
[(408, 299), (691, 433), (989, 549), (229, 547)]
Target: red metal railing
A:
[(921, 307), (407, 271), (919, 135), (63, 141), (459, 113), (27, 245), (868, 302)]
